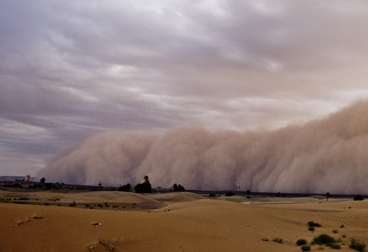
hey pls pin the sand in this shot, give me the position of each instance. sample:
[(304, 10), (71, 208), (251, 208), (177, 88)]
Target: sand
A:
[(179, 222)]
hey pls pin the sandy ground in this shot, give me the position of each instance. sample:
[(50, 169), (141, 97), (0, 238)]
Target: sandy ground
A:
[(180, 222)]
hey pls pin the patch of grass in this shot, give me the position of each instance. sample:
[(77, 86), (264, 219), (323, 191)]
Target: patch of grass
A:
[(37, 217), (305, 248), (278, 240), (357, 245), (327, 240), (105, 245), (301, 242)]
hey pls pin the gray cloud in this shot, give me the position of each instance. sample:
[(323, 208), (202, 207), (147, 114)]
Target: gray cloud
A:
[(70, 69)]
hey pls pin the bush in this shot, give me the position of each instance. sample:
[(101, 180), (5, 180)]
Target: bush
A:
[(301, 242), (335, 246), (313, 224), (357, 245), (23, 198), (324, 239), (178, 188), (327, 240), (278, 240), (73, 204), (358, 197), (305, 248), (229, 194), (125, 188)]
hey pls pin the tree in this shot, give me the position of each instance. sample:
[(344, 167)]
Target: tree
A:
[(125, 188), (181, 188), (328, 195), (178, 188), (175, 188), (42, 180), (144, 187)]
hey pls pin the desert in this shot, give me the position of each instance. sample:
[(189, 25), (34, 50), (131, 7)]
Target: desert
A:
[(174, 222), (183, 126)]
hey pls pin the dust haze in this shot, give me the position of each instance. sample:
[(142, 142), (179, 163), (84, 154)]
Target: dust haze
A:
[(326, 155)]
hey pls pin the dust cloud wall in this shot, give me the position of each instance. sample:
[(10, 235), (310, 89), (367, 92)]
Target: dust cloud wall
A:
[(327, 155)]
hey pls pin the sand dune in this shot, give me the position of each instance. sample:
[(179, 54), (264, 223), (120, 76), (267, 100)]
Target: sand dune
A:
[(196, 225), (109, 199)]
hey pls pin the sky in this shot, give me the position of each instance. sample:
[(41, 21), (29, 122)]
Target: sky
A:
[(69, 69)]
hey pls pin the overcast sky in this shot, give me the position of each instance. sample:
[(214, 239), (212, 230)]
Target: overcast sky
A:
[(72, 68)]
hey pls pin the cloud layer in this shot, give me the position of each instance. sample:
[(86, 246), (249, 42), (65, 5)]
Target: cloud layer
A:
[(69, 69)]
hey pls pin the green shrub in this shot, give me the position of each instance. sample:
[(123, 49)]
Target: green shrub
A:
[(357, 245), (326, 240)]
